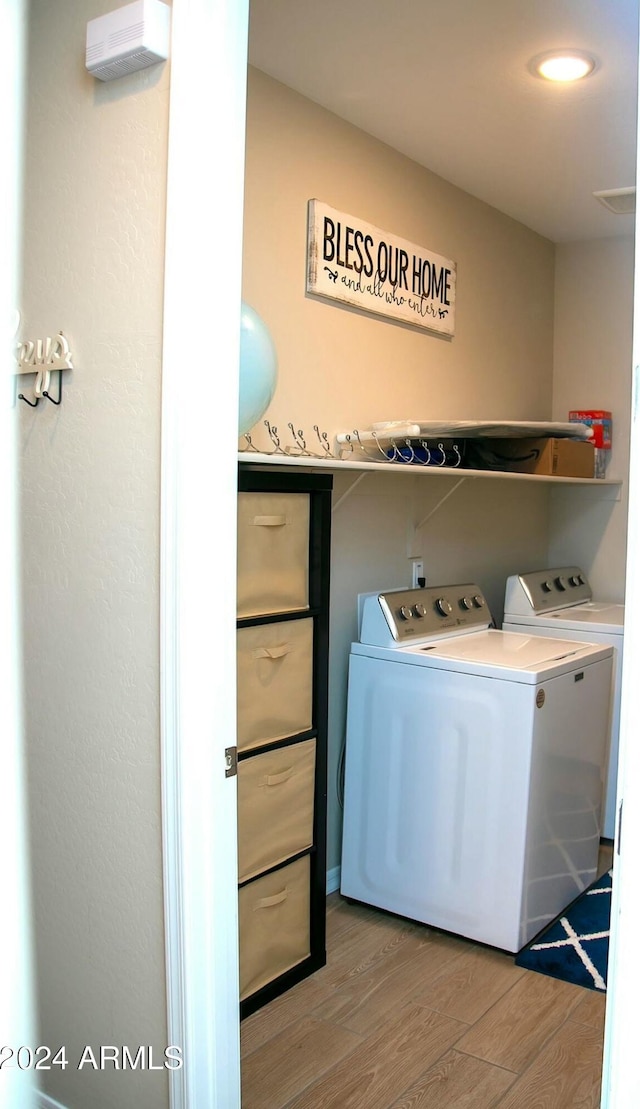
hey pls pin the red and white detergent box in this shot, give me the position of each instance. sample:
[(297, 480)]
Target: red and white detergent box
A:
[(599, 421)]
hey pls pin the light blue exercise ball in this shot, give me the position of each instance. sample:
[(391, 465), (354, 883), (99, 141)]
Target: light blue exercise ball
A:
[(258, 369)]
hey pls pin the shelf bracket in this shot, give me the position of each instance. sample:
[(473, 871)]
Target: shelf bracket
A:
[(348, 492), (440, 503)]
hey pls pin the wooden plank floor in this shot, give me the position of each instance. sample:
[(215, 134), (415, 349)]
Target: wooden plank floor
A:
[(405, 1017)]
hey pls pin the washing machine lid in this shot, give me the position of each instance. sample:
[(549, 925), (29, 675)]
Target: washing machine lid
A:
[(596, 616), (510, 656)]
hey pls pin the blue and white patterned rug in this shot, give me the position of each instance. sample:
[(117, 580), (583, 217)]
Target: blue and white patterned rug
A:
[(575, 947)]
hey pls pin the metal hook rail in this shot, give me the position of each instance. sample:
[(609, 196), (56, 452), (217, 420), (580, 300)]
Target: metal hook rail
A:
[(299, 449)]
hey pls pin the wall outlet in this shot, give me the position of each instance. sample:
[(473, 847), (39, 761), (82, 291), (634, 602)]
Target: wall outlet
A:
[(417, 573)]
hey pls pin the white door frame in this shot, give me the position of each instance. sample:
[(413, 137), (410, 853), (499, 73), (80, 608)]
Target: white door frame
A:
[(620, 1072), (17, 1019), (203, 270)]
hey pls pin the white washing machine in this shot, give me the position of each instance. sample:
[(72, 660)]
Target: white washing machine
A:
[(473, 768), (560, 602)]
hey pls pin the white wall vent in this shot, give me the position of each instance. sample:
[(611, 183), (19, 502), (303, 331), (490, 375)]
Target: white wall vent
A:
[(620, 201), (128, 39)]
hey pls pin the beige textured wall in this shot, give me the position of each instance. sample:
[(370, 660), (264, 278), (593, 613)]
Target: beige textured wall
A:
[(592, 368), (341, 368), (93, 267)]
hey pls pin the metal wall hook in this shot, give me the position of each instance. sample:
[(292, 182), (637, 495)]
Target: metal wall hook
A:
[(424, 444), (323, 439), (363, 448), (31, 403), (250, 445), (299, 440), (412, 453), (273, 435), (46, 393), (396, 456), (381, 449), (423, 455)]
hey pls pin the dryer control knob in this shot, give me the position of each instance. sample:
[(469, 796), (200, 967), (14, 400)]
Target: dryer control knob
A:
[(574, 580), (560, 583), (466, 603), (404, 612), (478, 601), (547, 586), (443, 606), (419, 610)]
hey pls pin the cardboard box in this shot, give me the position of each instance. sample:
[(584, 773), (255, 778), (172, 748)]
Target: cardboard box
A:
[(558, 457), (600, 423)]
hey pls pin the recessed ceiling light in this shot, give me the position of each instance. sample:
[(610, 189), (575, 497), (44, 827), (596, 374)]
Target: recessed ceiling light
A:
[(622, 202), (563, 65)]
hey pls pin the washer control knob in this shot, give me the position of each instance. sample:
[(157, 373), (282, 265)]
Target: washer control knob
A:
[(404, 612), (547, 586), (560, 583), (478, 601), (443, 606), (419, 610), (574, 580), (466, 603)]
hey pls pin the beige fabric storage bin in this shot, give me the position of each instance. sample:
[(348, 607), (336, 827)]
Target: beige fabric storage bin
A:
[(274, 925), (273, 552), (275, 681), (275, 806)]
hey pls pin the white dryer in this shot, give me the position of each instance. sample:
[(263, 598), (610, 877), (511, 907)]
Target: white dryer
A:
[(473, 768), (560, 602)]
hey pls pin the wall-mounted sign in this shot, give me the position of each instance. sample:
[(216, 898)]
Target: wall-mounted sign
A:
[(360, 265)]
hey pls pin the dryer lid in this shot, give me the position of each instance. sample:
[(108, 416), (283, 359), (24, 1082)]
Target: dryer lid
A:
[(592, 616)]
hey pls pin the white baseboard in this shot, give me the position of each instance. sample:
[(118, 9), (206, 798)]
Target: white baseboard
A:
[(333, 880), (46, 1102)]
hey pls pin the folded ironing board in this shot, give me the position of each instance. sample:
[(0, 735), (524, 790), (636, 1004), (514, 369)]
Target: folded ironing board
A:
[(390, 430)]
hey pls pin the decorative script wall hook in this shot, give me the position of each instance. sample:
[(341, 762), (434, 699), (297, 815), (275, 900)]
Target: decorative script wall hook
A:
[(43, 357)]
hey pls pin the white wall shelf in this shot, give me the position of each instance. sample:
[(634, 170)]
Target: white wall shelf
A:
[(256, 458), (610, 487)]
